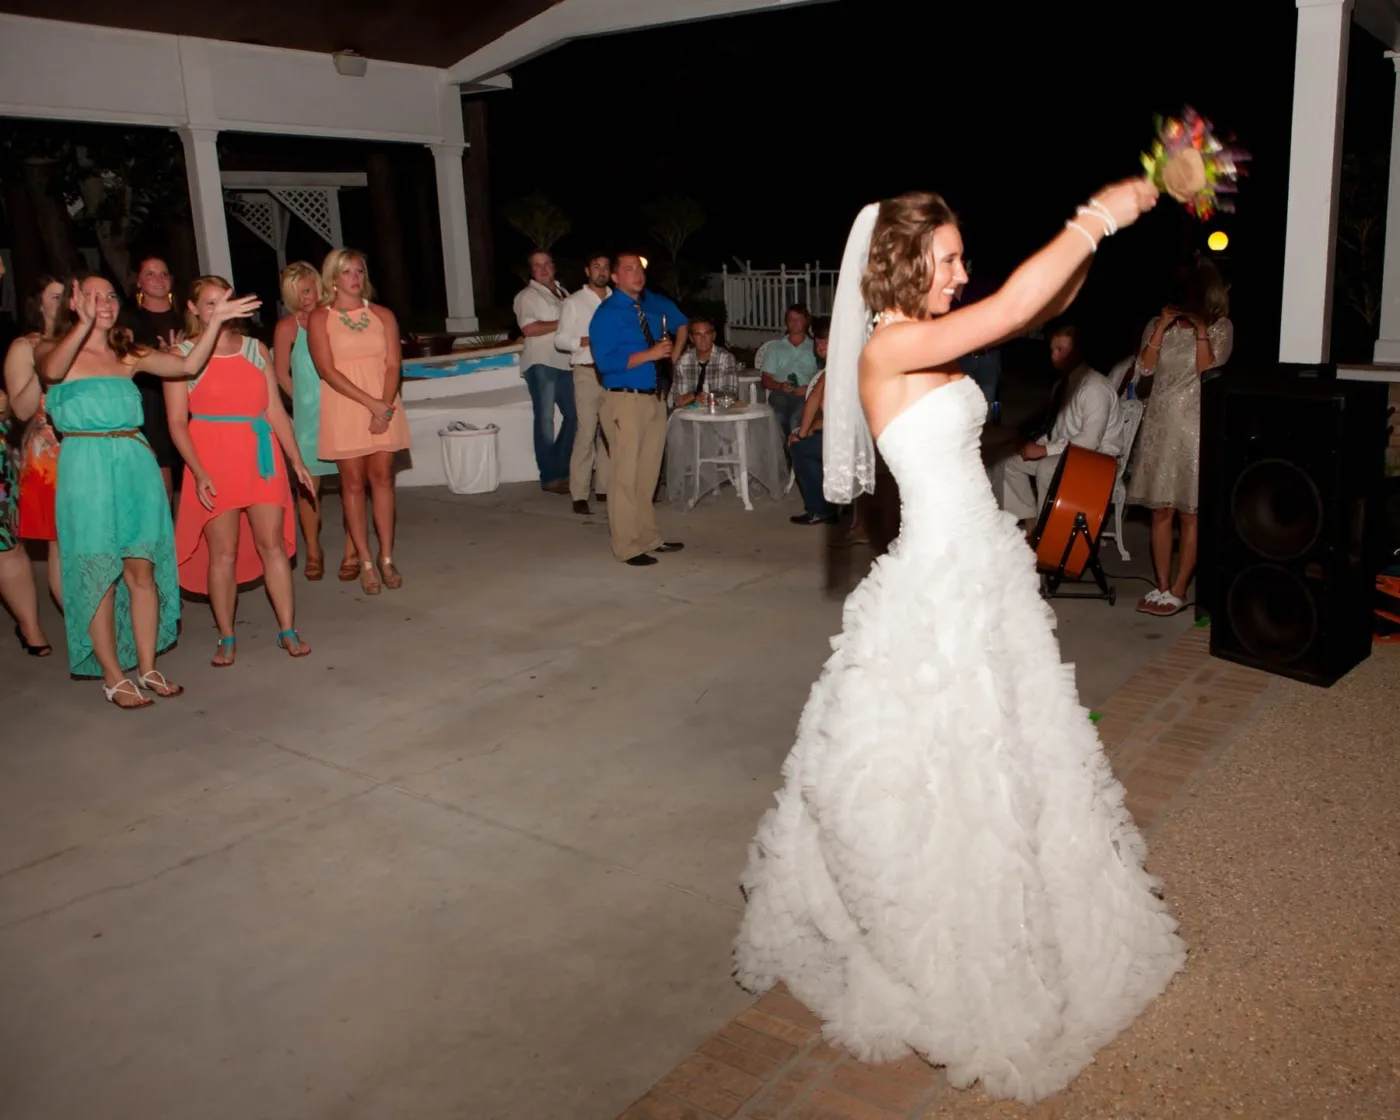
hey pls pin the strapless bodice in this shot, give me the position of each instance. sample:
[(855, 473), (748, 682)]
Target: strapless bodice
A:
[(95, 404), (933, 449)]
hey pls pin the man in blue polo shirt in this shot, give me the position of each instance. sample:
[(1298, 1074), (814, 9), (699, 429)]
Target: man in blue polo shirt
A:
[(629, 333)]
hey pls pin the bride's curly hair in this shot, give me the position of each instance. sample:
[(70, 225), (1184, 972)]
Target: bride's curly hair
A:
[(899, 272)]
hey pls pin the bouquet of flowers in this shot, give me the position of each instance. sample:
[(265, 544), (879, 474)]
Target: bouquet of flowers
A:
[(1189, 162)]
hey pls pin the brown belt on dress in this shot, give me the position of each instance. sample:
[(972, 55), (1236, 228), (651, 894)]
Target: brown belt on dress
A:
[(130, 433)]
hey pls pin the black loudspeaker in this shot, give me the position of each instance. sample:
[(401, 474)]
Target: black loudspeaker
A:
[(1292, 460)]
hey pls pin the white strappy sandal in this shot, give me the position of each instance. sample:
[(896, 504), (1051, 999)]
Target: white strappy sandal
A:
[(155, 681), (126, 687)]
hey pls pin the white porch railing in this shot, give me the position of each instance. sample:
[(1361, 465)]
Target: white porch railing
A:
[(756, 299)]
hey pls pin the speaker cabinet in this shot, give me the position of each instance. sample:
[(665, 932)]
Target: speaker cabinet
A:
[(1291, 461)]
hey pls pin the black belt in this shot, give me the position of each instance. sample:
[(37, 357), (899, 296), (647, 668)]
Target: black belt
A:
[(639, 392)]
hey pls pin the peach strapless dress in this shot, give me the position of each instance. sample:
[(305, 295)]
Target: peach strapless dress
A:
[(360, 349)]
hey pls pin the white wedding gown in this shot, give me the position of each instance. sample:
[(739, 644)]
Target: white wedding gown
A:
[(950, 868)]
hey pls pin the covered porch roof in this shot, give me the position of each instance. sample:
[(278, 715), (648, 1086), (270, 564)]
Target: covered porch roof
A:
[(201, 71)]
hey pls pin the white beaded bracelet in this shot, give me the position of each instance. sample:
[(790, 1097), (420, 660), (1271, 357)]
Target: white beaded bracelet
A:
[(1102, 211), (1109, 229), (1093, 245)]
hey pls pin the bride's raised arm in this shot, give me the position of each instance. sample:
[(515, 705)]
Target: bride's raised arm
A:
[(1045, 283)]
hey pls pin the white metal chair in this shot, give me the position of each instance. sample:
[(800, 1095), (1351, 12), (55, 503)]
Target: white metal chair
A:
[(760, 354), (1132, 420), (1120, 371)]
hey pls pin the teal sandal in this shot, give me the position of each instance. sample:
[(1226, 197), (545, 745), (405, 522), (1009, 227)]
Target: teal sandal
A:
[(224, 644), (296, 649)]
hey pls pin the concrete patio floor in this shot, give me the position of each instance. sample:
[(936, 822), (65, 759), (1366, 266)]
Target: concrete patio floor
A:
[(476, 857)]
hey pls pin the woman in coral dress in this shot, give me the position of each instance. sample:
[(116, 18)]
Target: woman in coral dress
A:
[(242, 524), (355, 345)]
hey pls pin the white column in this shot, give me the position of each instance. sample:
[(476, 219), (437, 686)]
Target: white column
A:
[(1314, 172), (456, 255), (1388, 345), (207, 201)]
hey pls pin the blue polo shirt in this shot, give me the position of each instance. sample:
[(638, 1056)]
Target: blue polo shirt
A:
[(614, 335)]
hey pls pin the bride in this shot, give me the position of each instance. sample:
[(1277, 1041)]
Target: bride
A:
[(949, 868)]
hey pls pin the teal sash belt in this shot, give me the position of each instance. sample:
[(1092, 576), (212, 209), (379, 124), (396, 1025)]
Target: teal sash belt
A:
[(261, 428)]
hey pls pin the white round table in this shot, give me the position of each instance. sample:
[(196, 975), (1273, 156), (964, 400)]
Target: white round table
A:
[(704, 450)]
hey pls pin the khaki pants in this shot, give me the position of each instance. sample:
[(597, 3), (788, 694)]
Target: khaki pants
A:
[(590, 453), (635, 424), (1011, 479)]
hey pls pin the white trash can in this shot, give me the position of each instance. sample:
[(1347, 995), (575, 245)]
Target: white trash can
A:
[(469, 458)]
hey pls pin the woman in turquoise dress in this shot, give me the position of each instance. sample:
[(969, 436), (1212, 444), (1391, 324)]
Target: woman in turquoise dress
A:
[(116, 541), (302, 293)]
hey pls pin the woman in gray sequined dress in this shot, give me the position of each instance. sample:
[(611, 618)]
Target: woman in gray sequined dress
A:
[(1191, 336)]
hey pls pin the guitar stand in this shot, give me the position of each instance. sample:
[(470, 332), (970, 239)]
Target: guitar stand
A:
[(1052, 581)]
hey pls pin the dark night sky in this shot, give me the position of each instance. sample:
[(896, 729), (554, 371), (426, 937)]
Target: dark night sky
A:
[(784, 123)]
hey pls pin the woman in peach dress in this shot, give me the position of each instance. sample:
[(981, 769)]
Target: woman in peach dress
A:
[(236, 521), (355, 345)]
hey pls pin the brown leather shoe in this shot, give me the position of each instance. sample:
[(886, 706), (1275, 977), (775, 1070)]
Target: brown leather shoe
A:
[(558, 486), (582, 508)]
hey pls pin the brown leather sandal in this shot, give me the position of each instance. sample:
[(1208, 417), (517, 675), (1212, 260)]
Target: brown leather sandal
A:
[(392, 579), (315, 567), (349, 570)]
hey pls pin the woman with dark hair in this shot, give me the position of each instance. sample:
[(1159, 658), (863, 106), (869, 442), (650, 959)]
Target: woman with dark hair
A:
[(1192, 334), (22, 400), (38, 445), (120, 590), (156, 322), (950, 868)]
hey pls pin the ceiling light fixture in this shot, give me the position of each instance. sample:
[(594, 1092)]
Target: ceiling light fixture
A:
[(352, 64)]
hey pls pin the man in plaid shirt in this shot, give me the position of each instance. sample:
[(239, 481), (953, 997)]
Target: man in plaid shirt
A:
[(704, 367)]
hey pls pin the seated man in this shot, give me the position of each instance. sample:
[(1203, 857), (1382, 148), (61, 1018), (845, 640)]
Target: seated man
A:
[(1085, 412), (704, 368), (805, 443), (789, 367)]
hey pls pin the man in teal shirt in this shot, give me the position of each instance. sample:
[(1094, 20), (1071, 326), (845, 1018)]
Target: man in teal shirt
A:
[(789, 365)]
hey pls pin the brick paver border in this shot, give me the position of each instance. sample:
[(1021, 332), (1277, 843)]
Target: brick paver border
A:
[(1161, 730)]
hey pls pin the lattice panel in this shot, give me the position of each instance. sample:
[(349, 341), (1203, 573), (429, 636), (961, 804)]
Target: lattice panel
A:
[(316, 206), (259, 213)]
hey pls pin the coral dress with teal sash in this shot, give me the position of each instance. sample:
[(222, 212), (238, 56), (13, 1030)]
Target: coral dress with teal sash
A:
[(111, 505)]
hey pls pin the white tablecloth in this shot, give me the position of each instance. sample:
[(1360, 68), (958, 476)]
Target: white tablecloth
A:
[(734, 445)]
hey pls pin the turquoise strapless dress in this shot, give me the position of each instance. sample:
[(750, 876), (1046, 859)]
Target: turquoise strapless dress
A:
[(110, 505), (306, 405)]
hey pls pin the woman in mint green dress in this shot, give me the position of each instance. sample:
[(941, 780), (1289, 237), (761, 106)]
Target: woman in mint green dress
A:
[(302, 293), (116, 541)]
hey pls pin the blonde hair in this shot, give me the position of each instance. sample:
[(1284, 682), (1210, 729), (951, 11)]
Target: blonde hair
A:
[(290, 279), (194, 326), (336, 262)]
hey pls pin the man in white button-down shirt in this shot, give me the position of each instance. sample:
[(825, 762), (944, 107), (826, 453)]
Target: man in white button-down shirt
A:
[(1089, 416), (547, 374), (589, 462)]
